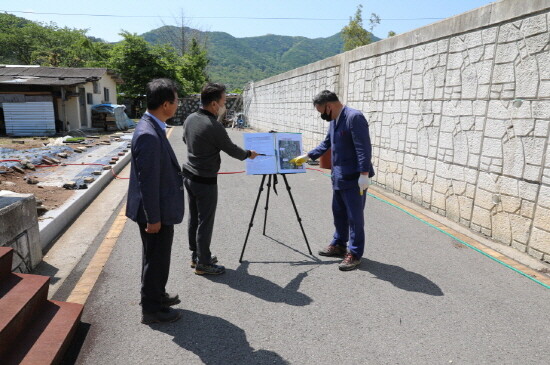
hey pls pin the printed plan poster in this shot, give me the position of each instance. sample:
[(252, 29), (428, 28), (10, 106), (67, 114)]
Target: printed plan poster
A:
[(276, 150)]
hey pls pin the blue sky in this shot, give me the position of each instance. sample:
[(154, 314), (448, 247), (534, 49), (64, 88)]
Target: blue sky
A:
[(210, 15)]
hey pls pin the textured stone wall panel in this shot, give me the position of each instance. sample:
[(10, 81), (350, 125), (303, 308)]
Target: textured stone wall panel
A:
[(459, 124)]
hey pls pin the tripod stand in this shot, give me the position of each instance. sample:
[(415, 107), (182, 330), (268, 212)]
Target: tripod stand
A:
[(272, 177)]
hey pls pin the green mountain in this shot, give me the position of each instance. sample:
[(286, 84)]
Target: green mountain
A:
[(235, 61)]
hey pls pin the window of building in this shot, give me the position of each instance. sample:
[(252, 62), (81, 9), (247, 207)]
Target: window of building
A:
[(96, 87), (90, 98), (106, 94)]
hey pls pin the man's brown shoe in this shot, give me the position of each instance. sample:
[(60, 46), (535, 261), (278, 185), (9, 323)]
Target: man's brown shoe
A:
[(350, 262), (333, 251)]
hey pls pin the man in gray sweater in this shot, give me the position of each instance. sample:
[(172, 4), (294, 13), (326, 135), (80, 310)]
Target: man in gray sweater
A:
[(205, 137)]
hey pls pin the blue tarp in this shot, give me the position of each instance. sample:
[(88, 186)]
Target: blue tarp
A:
[(122, 120)]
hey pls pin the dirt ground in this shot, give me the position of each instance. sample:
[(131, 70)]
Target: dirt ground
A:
[(51, 197), (23, 143), (27, 143)]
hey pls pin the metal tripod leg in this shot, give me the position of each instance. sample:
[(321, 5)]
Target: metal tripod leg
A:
[(252, 218), (297, 214), (267, 200)]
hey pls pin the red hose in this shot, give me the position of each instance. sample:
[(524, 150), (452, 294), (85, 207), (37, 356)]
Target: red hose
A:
[(311, 168), (115, 175), (230, 172)]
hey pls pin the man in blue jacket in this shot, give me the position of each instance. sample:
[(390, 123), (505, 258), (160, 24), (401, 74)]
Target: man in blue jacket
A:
[(155, 199), (348, 136)]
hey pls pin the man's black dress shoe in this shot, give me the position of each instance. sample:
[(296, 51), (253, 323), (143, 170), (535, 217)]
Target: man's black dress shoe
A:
[(169, 300), (164, 315)]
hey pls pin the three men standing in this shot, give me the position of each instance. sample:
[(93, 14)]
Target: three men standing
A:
[(348, 137), (156, 189)]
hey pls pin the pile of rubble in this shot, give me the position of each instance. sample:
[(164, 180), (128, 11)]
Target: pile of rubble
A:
[(83, 164)]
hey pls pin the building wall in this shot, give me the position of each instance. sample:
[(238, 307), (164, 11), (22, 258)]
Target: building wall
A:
[(105, 82), (459, 115), (71, 114), (72, 106)]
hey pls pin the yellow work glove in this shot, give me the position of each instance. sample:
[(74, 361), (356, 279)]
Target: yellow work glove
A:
[(298, 161)]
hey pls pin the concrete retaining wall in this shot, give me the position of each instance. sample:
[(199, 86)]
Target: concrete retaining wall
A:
[(459, 114), (19, 229)]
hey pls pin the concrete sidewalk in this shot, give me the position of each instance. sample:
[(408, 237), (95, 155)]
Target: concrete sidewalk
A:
[(418, 297)]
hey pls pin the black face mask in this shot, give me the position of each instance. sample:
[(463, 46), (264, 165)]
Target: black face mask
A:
[(325, 116)]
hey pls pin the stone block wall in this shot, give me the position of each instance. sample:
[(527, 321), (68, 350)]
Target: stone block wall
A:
[(192, 103), (459, 114)]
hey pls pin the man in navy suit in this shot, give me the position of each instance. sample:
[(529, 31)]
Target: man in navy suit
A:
[(348, 136), (155, 199)]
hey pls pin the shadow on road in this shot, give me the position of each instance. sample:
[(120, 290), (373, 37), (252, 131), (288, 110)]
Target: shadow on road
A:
[(262, 288), (401, 278), (44, 268), (216, 341)]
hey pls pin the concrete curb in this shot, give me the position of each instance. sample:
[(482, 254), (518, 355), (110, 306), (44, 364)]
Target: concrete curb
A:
[(55, 222)]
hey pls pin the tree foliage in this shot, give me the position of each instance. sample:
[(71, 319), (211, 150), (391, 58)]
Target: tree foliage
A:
[(236, 61), (25, 42), (137, 63), (193, 67), (134, 59), (354, 34)]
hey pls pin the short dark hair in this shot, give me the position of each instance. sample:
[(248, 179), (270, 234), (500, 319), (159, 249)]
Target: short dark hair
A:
[(159, 91), (324, 97), (211, 92)]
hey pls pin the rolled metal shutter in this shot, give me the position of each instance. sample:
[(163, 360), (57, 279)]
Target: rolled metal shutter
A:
[(29, 119)]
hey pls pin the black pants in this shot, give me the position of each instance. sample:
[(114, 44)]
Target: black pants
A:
[(155, 265), (203, 200)]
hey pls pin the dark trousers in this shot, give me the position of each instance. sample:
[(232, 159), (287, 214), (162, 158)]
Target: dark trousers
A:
[(349, 220), (155, 265), (203, 200)]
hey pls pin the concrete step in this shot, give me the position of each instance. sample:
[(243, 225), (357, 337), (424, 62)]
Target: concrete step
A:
[(6, 256), (22, 296), (48, 337)]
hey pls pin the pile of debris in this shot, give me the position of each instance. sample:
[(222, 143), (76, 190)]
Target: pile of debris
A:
[(25, 170)]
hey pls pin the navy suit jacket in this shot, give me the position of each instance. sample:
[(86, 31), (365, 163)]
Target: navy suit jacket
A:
[(351, 148), (155, 193)]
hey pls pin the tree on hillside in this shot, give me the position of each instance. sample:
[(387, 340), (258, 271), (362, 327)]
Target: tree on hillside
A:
[(354, 35), (25, 42), (137, 62), (193, 67), (391, 33), (65, 47), (181, 36), (19, 39)]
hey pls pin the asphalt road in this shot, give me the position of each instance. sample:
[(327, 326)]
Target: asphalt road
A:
[(418, 297)]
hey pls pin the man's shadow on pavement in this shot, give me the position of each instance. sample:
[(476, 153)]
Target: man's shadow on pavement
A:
[(262, 288), (215, 340), (401, 278)]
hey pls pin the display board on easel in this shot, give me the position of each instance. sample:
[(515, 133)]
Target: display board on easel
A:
[(276, 150)]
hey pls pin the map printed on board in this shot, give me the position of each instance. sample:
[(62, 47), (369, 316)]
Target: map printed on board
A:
[(278, 149)]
